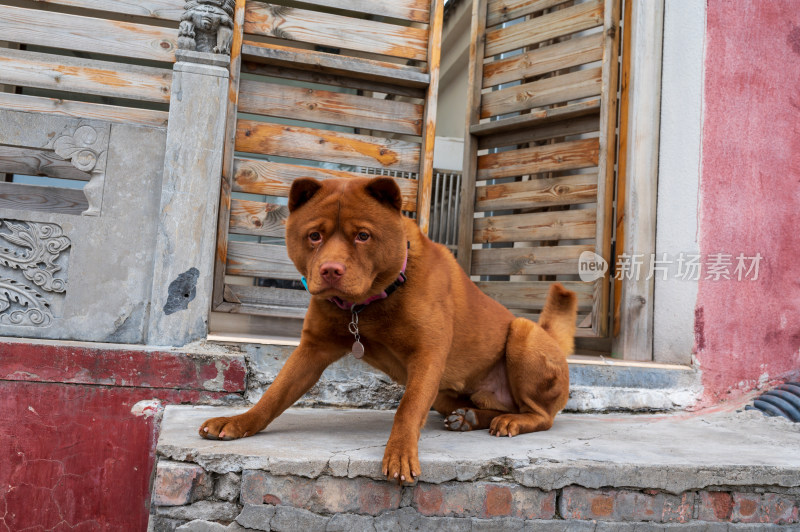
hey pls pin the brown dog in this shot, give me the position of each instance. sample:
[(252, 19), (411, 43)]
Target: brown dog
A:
[(453, 347)]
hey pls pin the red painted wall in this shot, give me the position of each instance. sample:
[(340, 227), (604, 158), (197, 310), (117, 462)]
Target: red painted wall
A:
[(748, 332), (72, 454)]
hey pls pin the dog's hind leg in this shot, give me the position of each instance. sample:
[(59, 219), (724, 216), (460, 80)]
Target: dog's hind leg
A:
[(461, 414), (539, 379)]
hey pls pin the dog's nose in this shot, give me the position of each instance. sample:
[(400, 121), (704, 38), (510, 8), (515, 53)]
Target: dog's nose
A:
[(332, 271)]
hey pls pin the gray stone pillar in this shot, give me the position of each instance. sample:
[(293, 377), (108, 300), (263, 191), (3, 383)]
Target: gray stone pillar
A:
[(187, 230)]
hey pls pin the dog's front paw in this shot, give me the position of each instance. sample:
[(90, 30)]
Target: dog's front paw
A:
[(400, 462), (228, 428), (463, 419)]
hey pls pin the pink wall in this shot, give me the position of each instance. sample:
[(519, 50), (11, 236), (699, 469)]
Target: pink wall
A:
[(748, 332)]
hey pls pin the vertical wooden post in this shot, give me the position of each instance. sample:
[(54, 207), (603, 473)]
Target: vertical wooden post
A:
[(608, 150), (475, 80), (229, 139), (636, 306), (429, 129)]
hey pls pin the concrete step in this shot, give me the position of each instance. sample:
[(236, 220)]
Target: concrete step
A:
[(319, 469)]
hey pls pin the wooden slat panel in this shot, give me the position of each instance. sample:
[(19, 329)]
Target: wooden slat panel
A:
[(536, 118), (86, 34), (160, 9), (324, 145), (563, 22), (356, 67), (87, 76), (565, 190), (556, 225), (15, 160), (532, 294), (336, 31), (309, 76), (257, 218), (125, 115), (46, 199), (580, 84), (275, 179), (570, 155), (267, 295), (415, 10), (327, 107), (250, 259), (269, 301), (504, 10), (567, 54), (543, 260), (556, 130)]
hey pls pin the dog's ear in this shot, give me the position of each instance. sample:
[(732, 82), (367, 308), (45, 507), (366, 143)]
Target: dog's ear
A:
[(302, 190), (385, 190)]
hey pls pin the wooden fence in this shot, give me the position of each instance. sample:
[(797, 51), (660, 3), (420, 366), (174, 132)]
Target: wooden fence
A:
[(333, 89), (539, 153)]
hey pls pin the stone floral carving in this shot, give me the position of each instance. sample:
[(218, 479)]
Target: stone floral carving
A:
[(207, 26), (20, 305), (34, 248), (86, 148)]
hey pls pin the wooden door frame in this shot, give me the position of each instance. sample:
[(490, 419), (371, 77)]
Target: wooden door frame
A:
[(637, 187)]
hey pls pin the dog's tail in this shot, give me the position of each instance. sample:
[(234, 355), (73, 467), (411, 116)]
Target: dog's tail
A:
[(559, 316)]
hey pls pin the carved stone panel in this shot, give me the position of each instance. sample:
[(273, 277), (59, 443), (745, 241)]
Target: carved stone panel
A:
[(33, 272), (86, 147)]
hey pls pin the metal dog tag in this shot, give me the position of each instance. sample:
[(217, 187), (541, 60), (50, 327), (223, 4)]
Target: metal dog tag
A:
[(358, 349)]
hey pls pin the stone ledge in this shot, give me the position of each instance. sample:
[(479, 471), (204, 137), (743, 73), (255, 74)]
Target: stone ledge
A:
[(318, 469), (669, 453)]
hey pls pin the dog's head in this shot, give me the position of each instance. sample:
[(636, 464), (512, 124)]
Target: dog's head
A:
[(346, 236)]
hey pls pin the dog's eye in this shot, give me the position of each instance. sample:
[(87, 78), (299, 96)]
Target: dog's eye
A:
[(314, 236), (363, 236)]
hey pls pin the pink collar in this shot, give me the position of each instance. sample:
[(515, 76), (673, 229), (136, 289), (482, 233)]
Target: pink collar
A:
[(401, 278)]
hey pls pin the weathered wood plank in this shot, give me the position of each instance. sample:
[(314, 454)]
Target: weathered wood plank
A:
[(223, 216), (556, 225), (87, 34), (431, 104), (159, 9), (536, 118), (113, 113), (562, 22), (556, 130), (469, 167), (532, 294), (250, 259), (268, 296), (325, 145), (257, 218), (504, 10), (567, 54), (544, 260), (557, 89), (356, 67), (275, 179), (25, 161), (570, 155), (45, 199), (310, 76), (606, 163), (337, 31), (87, 76), (414, 10), (565, 190), (326, 107)]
